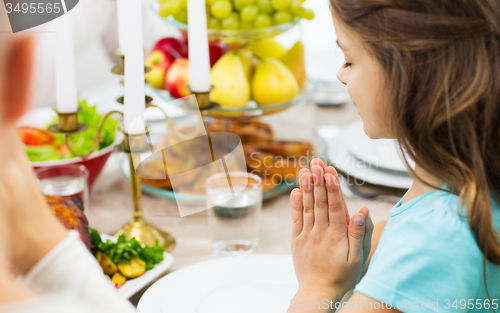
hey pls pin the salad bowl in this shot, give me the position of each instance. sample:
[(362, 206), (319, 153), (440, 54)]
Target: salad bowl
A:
[(40, 117)]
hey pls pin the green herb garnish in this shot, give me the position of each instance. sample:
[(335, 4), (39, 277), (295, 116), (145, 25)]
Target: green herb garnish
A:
[(123, 250)]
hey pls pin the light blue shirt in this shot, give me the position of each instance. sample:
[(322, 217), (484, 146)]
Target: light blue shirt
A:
[(427, 259)]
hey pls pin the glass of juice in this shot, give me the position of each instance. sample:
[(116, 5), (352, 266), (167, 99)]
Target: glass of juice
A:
[(66, 189)]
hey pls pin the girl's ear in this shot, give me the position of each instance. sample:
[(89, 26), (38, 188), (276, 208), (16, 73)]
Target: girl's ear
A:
[(18, 66)]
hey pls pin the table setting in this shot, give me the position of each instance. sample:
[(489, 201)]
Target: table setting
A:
[(180, 186)]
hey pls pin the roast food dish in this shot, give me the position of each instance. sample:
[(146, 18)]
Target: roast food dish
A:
[(69, 211), (275, 161), (121, 260)]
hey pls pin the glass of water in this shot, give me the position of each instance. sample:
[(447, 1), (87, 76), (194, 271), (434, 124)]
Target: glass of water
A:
[(64, 184), (234, 203)]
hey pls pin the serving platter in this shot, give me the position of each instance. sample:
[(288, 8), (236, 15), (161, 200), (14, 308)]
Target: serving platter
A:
[(282, 131), (132, 286)]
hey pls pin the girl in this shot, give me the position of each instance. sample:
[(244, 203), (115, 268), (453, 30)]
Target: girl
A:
[(425, 73)]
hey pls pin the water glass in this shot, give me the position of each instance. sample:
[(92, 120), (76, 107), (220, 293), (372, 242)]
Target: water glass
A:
[(234, 203)]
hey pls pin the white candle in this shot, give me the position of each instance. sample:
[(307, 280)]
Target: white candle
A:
[(122, 12), (199, 61), (66, 96), (134, 69)]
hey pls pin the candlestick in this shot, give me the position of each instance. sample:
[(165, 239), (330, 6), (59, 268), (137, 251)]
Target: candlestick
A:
[(121, 8), (66, 96), (199, 61), (134, 69)]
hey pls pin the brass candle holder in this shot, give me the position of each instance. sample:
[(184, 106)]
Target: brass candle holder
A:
[(132, 144), (203, 99), (67, 124), (137, 227)]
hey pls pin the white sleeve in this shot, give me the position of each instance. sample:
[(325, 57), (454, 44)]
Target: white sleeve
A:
[(70, 272)]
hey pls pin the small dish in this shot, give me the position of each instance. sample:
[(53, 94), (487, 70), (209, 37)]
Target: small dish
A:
[(132, 286)]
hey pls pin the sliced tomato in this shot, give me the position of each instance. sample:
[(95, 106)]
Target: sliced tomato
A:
[(33, 136), (63, 150)]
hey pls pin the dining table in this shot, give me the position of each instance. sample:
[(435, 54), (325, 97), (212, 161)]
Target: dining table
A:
[(110, 202)]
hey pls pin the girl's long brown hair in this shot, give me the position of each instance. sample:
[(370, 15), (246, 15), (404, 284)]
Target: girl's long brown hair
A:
[(442, 63)]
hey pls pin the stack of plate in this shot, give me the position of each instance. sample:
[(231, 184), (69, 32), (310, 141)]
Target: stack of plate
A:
[(377, 162)]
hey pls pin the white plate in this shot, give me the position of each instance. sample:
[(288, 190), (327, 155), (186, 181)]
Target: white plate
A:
[(132, 286), (338, 153), (256, 283), (381, 153)]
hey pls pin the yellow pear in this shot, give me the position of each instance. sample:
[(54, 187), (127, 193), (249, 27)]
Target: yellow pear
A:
[(294, 60), (232, 88), (247, 59), (273, 83), (269, 48)]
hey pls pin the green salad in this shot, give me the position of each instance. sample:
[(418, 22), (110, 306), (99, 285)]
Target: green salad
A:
[(123, 250), (41, 145)]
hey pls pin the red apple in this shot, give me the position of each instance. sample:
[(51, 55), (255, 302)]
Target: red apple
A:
[(216, 50), (177, 78), (174, 46), (159, 62)]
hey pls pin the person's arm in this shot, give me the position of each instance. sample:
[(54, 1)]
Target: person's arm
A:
[(54, 262), (70, 267)]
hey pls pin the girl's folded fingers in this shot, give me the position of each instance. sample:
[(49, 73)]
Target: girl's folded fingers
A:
[(333, 171), (296, 210), (320, 198), (367, 241), (301, 172), (336, 210), (319, 162), (307, 201)]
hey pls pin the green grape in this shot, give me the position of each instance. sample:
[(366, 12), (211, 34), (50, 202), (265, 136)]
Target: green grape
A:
[(182, 16), (282, 17), (263, 21), (232, 22), (184, 4), (306, 13), (213, 23), (221, 9), (246, 25), (249, 13), (296, 7), (248, 1), (170, 8), (280, 5), (265, 6), (238, 4), (162, 1)]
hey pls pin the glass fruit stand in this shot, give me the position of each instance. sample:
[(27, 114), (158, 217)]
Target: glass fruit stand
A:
[(285, 15)]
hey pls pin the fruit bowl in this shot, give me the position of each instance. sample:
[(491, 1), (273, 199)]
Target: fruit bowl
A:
[(234, 36), (252, 108), (94, 163)]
